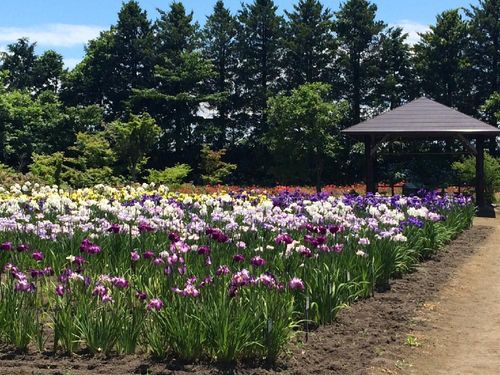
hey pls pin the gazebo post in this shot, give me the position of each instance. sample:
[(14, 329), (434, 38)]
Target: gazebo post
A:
[(480, 172), (370, 165)]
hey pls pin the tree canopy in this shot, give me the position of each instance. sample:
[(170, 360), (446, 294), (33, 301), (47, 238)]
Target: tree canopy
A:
[(264, 88)]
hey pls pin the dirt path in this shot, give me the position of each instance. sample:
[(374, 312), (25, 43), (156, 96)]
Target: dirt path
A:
[(458, 331)]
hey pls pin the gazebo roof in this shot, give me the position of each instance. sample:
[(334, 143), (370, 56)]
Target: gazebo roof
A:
[(420, 118)]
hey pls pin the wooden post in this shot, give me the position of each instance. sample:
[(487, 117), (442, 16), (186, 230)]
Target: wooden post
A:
[(370, 166), (480, 202)]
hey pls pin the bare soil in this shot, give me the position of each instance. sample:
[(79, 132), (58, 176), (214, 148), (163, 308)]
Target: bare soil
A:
[(456, 331), (371, 336)]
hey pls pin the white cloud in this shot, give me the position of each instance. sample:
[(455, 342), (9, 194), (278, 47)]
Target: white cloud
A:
[(53, 35), (412, 29), (70, 62)]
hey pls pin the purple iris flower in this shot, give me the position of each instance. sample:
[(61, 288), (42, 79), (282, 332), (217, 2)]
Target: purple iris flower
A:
[(257, 261)]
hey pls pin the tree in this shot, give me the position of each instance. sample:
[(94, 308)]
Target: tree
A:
[(47, 72), (441, 60), (132, 53), (467, 172), (19, 61), (171, 176), (396, 76), (88, 162), (118, 61), (309, 44), (132, 140), (213, 169), (357, 33), (490, 112), (30, 125), (179, 84), (219, 47), (259, 53), (48, 167), (491, 109), (306, 125), (484, 47)]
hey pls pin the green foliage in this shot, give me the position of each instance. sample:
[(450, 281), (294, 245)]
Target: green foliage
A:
[(306, 125), (6, 172), (30, 125), (19, 61), (47, 71), (93, 150), (259, 47), (48, 167), (27, 71), (219, 47), (212, 85), (483, 47), (491, 109), (170, 176), (440, 59), (179, 87), (91, 161), (357, 32), (309, 42), (397, 82), (213, 169), (467, 172), (119, 60), (132, 140)]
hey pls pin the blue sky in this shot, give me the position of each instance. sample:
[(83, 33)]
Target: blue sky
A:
[(66, 25)]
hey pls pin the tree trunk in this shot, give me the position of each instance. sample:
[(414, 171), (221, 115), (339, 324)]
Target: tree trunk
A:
[(319, 173)]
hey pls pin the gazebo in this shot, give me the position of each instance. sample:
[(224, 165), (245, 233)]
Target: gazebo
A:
[(425, 118)]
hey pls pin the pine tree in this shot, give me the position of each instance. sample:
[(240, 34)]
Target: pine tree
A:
[(396, 75), (219, 46), (175, 32), (132, 53), (19, 61), (441, 60), (357, 32), (179, 87), (309, 44), (259, 52), (90, 82), (116, 62), (484, 48)]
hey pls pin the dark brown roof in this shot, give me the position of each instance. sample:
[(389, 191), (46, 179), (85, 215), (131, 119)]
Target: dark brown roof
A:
[(423, 117)]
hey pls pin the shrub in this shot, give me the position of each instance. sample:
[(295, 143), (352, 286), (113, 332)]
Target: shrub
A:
[(467, 171), (48, 167), (170, 176), (214, 170)]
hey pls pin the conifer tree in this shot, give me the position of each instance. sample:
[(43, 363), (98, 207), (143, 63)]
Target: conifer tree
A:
[(309, 44), (259, 53), (219, 46), (179, 88), (484, 48), (19, 61), (357, 31), (396, 76), (441, 60), (116, 62)]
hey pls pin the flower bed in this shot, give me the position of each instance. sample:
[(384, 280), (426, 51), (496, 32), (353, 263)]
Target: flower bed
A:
[(217, 277)]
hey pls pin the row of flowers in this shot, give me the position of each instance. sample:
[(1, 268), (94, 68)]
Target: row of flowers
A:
[(201, 276)]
